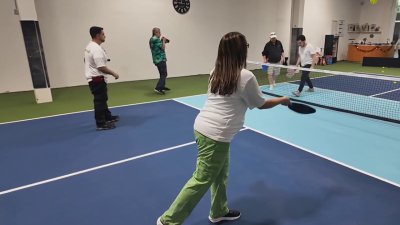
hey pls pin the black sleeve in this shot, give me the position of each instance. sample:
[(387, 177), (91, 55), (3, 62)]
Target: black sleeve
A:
[(282, 47), (265, 52)]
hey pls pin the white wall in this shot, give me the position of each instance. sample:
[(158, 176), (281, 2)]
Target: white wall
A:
[(283, 21), (297, 13), (382, 14), (257, 19), (15, 73), (194, 36), (318, 16), (128, 23)]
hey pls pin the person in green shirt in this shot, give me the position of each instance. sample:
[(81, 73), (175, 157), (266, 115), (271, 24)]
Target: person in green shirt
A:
[(157, 47)]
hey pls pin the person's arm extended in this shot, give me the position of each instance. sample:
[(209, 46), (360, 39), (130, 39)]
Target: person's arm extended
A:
[(298, 61), (314, 60), (106, 70), (270, 103)]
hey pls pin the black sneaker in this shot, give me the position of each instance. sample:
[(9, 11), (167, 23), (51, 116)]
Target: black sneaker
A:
[(161, 92), (166, 89), (106, 126), (113, 119), (231, 215)]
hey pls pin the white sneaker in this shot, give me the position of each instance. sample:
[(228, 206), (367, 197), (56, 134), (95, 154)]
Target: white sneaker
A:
[(296, 93), (310, 90), (159, 221)]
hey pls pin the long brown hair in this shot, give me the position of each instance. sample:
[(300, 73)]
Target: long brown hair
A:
[(231, 59)]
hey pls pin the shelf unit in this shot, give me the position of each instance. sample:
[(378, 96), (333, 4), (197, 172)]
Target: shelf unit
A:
[(364, 32)]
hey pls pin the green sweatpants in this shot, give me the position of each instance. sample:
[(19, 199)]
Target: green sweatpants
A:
[(212, 170)]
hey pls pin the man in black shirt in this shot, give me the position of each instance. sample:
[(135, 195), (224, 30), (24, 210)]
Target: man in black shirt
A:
[(273, 53)]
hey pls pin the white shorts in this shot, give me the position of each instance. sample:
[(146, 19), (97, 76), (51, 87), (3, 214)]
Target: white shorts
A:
[(275, 71)]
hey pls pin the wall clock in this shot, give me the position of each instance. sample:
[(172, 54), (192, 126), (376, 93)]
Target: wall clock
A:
[(181, 6)]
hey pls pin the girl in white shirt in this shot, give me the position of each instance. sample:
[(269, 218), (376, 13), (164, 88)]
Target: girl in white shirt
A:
[(232, 90)]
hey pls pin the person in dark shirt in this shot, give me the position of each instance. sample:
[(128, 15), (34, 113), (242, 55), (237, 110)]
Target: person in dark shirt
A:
[(273, 53)]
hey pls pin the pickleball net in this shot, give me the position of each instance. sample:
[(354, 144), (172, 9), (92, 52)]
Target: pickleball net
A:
[(370, 95)]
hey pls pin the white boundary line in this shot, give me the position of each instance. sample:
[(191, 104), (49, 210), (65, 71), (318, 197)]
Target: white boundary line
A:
[(188, 96), (105, 165), (316, 154), (70, 113), (180, 146), (95, 168), (382, 77), (183, 103), (398, 89), (327, 158), (117, 106), (89, 110)]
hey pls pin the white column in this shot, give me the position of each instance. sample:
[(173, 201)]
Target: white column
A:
[(27, 12), (297, 13)]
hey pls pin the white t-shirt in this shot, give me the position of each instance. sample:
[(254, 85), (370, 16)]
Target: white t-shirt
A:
[(223, 116), (95, 57), (306, 53)]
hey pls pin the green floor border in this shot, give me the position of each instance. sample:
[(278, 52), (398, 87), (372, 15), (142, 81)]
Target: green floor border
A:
[(22, 105)]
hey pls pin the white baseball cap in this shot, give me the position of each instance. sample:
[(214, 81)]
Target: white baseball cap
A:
[(273, 35)]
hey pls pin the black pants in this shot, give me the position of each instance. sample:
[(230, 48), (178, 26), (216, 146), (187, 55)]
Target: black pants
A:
[(101, 111), (305, 77), (162, 69)]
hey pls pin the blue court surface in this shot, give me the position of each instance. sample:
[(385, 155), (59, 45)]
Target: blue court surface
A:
[(328, 168)]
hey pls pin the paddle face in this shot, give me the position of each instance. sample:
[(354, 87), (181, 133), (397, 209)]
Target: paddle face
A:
[(290, 73), (301, 108)]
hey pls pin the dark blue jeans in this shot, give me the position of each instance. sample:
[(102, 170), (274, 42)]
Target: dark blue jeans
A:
[(305, 77), (162, 69)]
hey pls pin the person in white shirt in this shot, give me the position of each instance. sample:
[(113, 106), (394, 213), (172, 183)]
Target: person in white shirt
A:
[(232, 90), (306, 59), (96, 73)]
